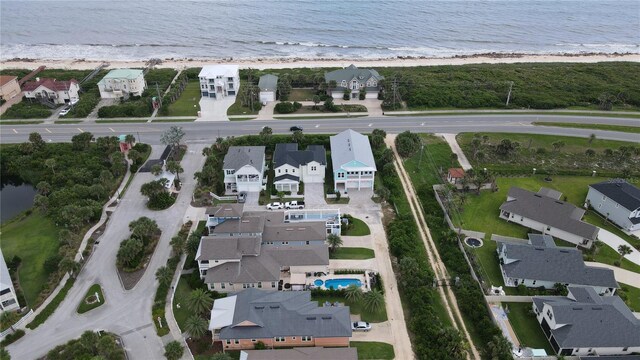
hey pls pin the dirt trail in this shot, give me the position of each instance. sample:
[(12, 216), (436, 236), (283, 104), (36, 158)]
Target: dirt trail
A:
[(438, 266)]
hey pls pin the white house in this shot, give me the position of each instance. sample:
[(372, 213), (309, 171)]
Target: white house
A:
[(355, 80), (352, 160), (122, 82), (268, 85), (544, 212), (8, 297), (618, 201), (219, 81), (539, 263), (583, 323), (292, 166), (52, 91), (244, 168)]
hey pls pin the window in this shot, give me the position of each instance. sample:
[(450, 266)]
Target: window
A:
[(229, 79), (625, 349), (273, 284), (5, 291), (230, 86), (599, 206), (313, 168), (254, 340), (548, 228), (259, 285), (279, 339), (236, 341), (279, 171), (228, 342), (203, 272), (285, 243), (306, 338), (617, 206), (534, 282), (604, 198), (293, 338), (307, 242), (222, 286), (550, 314)]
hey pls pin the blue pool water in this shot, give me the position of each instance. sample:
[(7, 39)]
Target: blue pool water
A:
[(318, 282), (337, 283)]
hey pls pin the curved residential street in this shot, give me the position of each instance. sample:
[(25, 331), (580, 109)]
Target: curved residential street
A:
[(127, 313)]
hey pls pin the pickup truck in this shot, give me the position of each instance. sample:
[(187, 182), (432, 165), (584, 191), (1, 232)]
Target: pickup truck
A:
[(294, 205)]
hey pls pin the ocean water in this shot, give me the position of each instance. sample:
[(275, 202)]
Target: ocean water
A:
[(328, 29)]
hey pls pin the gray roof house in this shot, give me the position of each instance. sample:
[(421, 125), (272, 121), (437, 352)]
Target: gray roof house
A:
[(354, 79), (539, 263), (306, 353), (352, 159), (268, 85), (543, 212), (292, 165), (618, 201), (583, 323), (278, 319), (243, 168)]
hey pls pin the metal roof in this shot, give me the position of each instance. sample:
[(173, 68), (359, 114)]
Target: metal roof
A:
[(268, 82), (349, 146)]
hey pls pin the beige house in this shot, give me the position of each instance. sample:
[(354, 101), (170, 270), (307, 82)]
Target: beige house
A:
[(52, 91), (9, 87)]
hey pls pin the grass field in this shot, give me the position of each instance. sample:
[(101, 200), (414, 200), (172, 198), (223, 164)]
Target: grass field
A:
[(633, 297), (621, 128), (188, 104), (33, 239), (370, 350), (316, 117), (181, 314), (84, 307), (238, 109), (301, 95), (355, 307), (119, 121), (352, 253), (359, 228), (526, 326), (481, 214), (435, 112)]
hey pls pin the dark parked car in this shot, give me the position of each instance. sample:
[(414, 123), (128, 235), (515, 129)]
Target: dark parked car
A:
[(242, 197), (295, 128)]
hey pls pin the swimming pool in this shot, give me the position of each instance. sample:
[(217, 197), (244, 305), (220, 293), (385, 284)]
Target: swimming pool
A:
[(341, 283), (318, 282)]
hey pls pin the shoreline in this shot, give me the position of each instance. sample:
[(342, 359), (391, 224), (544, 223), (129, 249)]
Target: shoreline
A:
[(283, 63)]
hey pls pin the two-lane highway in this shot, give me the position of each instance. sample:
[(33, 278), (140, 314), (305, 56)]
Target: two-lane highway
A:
[(208, 131)]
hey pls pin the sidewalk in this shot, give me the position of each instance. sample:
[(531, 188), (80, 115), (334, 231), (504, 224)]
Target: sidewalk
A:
[(455, 147), (614, 241)]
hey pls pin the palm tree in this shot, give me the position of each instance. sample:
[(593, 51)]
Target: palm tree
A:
[(130, 139), (175, 168), (156, 169), (164, 275), (373, 300), (51, 164), (196, 326), (173, 350), (199, 301), (334, 241), (353, 293), (624, 250), (68, 265), (43, 188)]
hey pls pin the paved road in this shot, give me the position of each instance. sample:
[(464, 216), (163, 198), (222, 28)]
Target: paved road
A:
[(126, 312), (205, 132)]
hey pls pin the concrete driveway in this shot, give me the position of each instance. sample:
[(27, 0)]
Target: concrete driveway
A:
[(125, 312), (215, 110), (253, 198), (314, 194)]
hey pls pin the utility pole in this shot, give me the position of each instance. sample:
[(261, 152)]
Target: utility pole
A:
[(509, 94), (159, 97)]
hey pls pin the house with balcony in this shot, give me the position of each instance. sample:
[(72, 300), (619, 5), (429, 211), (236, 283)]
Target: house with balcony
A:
[(292, 166), (51, 91), (244, 168), (219, 81), (120, 83), (278, 320), (539, 263), (8, 296), (354, 80), (617, 201), (583, 323), (543, 211), (353, 165)]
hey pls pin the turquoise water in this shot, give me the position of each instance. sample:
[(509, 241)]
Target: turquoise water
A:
[(335, 284)]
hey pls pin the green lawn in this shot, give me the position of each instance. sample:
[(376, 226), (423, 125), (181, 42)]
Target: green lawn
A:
[(632, 295), (238, 109), (621, 128), (488, 260), (301, 95), (526, 326), (352, 253), (595, 219), (33, 239), (316, 117), (481, 214), (370, 350), (358, 228), (84, 307), (356, 308), (182, 292), (188, 104)]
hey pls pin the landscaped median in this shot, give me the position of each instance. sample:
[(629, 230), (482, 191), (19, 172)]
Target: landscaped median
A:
[(92, 299)]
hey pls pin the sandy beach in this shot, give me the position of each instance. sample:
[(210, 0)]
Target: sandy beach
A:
[(81, 64)]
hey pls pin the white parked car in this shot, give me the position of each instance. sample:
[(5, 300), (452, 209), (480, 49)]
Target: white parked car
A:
[(65, 111), (275, 206), (360, 326), (294, 205)]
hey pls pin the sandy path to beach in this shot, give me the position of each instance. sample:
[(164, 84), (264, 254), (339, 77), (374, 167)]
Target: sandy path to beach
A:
[(301, 63)]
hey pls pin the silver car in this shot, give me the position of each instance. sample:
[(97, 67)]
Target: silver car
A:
[(360, 326)]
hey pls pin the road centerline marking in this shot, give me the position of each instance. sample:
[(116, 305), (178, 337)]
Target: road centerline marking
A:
[(49, 131), (80, 130), (14, 130)]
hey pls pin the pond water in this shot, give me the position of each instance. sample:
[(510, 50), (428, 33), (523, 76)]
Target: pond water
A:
[(14, 199)]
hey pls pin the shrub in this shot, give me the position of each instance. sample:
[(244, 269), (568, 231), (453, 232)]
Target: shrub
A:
[(286, 107), (51, 263), (13, 337), (161, 201)]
